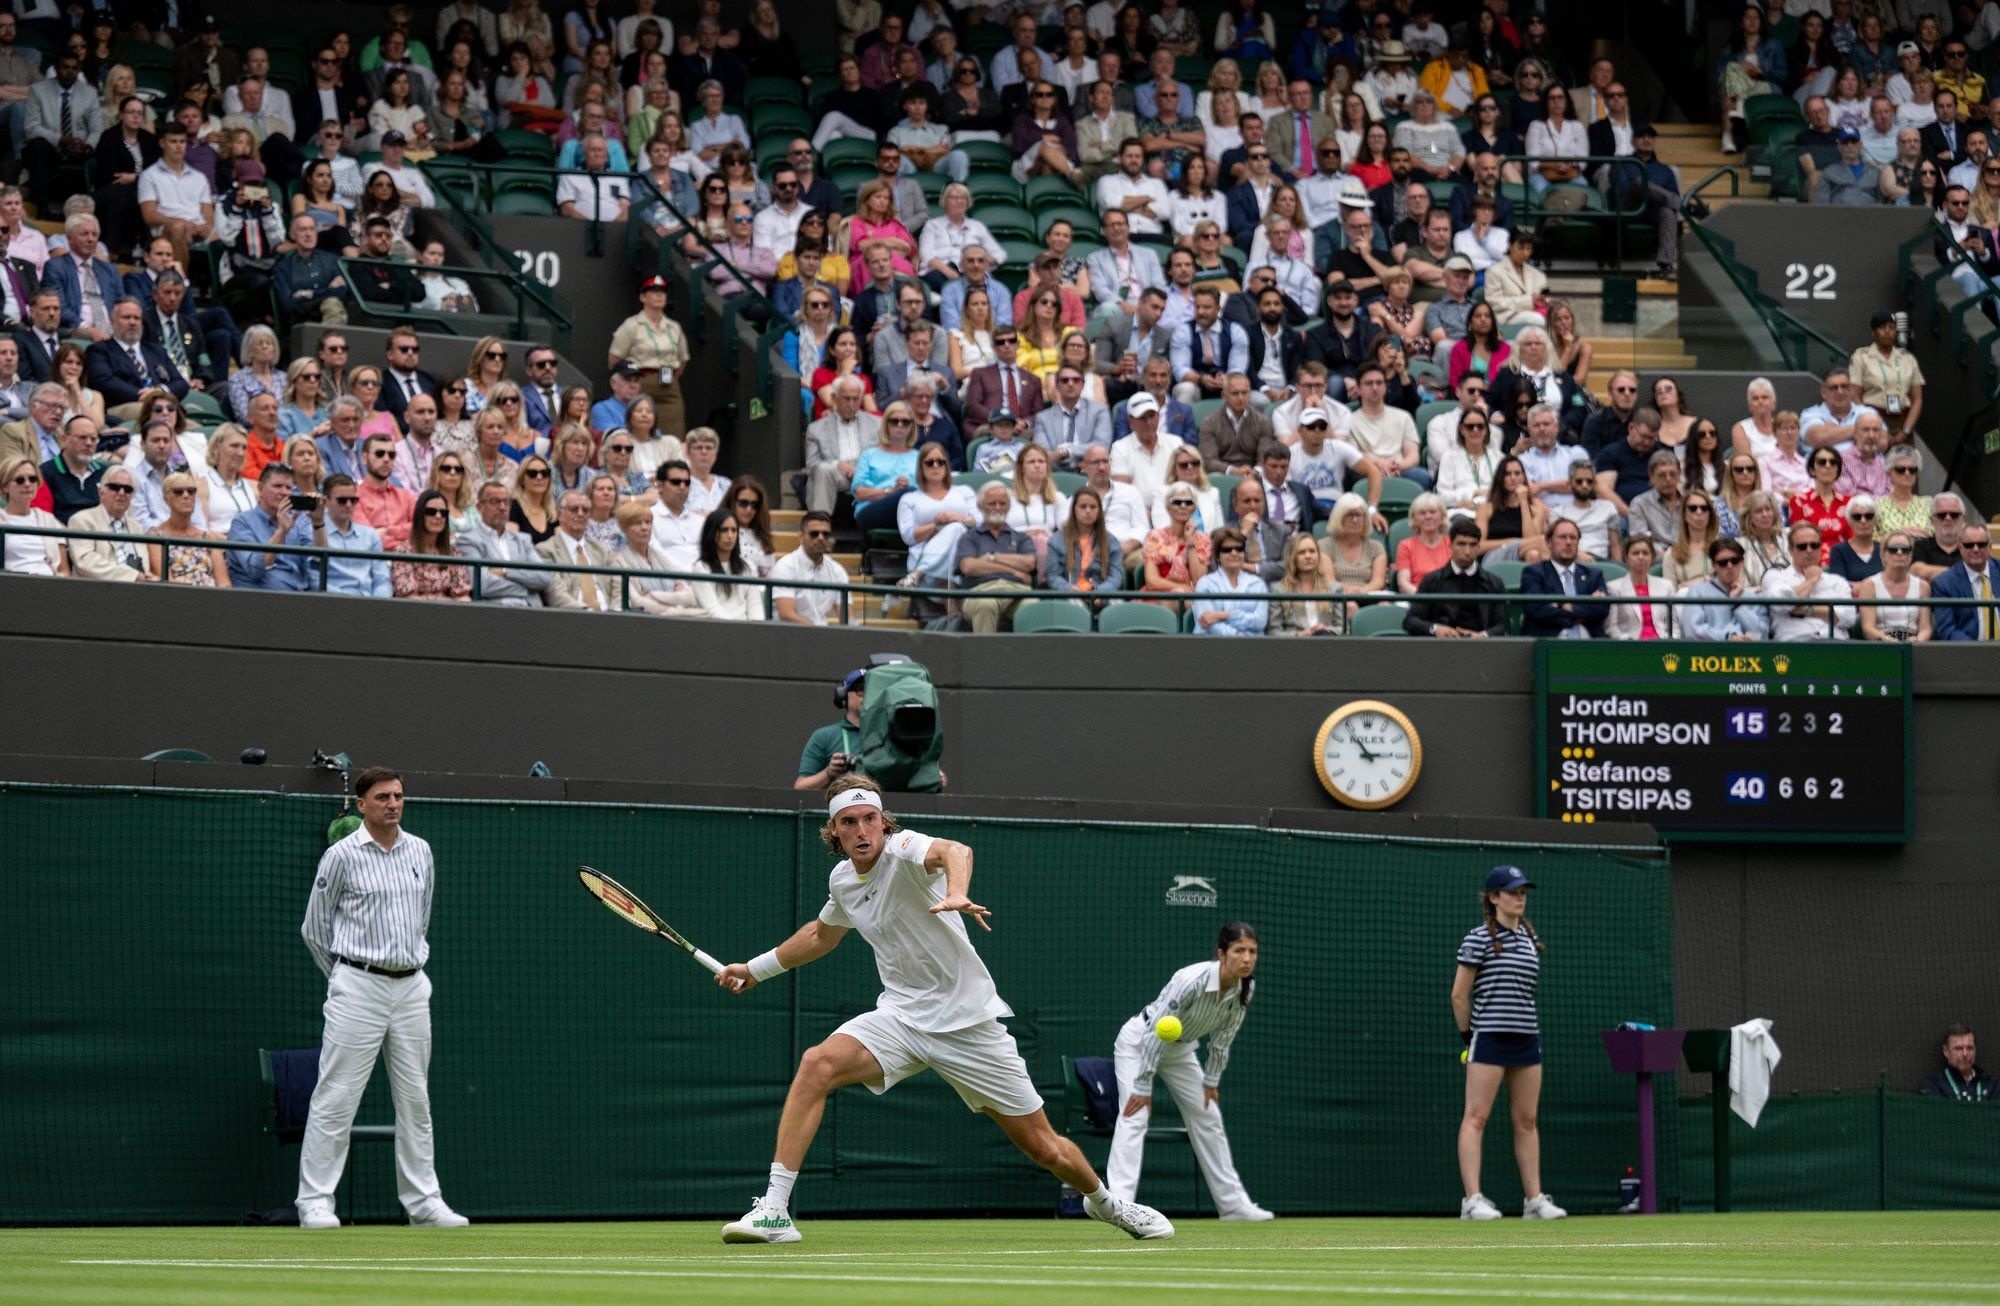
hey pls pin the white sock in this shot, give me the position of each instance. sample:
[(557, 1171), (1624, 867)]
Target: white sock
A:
[(1100, 1199), (779, 1194)]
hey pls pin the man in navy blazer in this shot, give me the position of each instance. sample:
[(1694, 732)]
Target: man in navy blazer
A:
[(400, 355), (41, 335), (61, 274), (1961, 581), (110, 367), (543, 369), (1558, 619), (1176, 418)]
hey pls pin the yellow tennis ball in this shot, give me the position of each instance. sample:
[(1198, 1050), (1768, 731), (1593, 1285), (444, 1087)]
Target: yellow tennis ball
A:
[(1465, 1056), (1168, 1028)]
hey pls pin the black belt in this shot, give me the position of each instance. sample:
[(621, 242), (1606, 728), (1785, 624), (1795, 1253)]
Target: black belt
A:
[(375, 970)]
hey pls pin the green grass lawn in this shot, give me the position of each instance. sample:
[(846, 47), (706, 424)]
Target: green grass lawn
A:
[(1832, 1259)]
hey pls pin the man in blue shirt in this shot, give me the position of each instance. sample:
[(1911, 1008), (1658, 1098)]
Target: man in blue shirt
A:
[(273, 521), (1723, 621), (366, 578), (609, 414)]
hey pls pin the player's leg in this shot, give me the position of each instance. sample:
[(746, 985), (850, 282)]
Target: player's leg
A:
[(357, 1019), (841, 1060), (1180, 1070), (1039, 1142), (408, 1053), (1128, 1136), (1482, 1082)]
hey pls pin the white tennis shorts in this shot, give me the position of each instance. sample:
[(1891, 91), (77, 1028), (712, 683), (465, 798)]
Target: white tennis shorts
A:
[(979, 1061)]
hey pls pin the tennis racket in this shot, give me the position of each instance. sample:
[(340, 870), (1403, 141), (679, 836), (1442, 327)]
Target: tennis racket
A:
[(626, 903)]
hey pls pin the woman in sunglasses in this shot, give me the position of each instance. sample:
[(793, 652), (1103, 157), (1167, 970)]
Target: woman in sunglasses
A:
[(748, 500), (1820, 505), (196, 562), (486, 368), (1905, 624), (448, 478), (1857, 557), (710, 219), (1687, 561), (453, 433), (304, 409), (534, 510), (430, 537), (30, 555)]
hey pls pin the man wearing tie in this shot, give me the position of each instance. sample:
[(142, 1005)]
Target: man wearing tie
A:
[(171, 328), (575, 589), (406, 380), (1294, 135), (1004, 384), (61, 127), (1563, 578), (125, 365), (1207, 350), (88, 284), (1072, 424), (124, 559), (41, 335), (541, 398), (1974, 576)]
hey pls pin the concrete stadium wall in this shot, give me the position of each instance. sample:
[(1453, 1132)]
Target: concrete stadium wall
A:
[(1860, 954)]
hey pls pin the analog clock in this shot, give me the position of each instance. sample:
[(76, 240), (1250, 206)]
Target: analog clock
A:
[(1367, 755)]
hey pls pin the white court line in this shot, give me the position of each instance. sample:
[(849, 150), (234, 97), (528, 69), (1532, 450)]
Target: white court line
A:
[(1324, 1289)]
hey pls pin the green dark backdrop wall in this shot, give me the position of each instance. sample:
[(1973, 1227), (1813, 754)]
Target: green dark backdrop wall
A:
[(584, 1068)]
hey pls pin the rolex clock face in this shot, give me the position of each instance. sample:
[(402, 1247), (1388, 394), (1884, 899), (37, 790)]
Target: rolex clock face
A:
[(1367, 755)]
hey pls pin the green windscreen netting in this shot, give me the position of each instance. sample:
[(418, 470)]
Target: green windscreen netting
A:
[(582, 1067)]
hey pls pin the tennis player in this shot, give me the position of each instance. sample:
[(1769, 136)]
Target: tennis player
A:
[(365, 924), (906, 893), (1210, 999), (1493, 1001)]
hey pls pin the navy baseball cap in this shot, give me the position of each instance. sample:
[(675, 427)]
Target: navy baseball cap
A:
[(1506, 879), (851, 682)]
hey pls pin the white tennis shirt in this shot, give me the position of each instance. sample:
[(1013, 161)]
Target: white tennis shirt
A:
[(932, 979)]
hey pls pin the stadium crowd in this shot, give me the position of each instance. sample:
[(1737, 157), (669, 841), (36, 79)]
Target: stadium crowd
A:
[(1061, 319)]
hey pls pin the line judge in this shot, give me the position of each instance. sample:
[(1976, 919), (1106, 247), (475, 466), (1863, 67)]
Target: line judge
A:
[(365, 924)]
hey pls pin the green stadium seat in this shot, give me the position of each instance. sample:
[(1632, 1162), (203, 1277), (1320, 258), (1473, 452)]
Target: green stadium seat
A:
[(524, 146), (1068, 482), (990, 156), (1426, 412), (1008, 220), (848, 152), (932, 184), (771, 151), (1138, 619), (786, 120), (1762, 111), (1507, 571), (1020, 254), (1377, 619), (1051, 616), (1203, 407), (1612, 570), (991, 188), (528, 203), (1083, 221), (773, 90), (1398, 532), (1224, 484), (1045, 192), (851, 180)]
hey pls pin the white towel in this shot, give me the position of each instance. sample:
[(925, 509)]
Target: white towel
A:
[(1753, 1055)]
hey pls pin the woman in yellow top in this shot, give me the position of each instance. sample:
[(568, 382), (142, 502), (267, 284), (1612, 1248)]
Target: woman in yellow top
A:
[(834, 269), (654, 343), (1043, 333)]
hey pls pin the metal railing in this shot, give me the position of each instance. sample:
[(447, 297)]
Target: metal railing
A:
[(849, 590), (1533, 210), (1794, 338), (471, 224), (406, 304)]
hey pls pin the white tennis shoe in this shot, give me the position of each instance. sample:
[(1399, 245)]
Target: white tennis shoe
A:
[(1540, 1207), (439, 1216), (317, 1215), (1476, 1207), (1251, 1213), (763, 1224), (1135, 1218)]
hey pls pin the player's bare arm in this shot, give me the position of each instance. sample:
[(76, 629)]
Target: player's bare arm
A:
[(955, 860), (813, 940)]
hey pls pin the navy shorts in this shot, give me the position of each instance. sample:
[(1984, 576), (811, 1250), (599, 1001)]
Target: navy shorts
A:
[(1499, 1048)]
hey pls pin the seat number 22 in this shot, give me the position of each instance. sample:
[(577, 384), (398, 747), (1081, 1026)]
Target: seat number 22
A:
[(1809, 282)]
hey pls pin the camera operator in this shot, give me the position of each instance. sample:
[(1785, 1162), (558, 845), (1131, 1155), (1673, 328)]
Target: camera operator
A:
[(281, 516), (250, 226), (835, 750)]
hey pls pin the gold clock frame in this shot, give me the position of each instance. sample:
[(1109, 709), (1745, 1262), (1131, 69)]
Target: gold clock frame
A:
[(1355, 708)]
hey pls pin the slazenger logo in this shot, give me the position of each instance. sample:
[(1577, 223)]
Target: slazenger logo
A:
[(1192, 891)]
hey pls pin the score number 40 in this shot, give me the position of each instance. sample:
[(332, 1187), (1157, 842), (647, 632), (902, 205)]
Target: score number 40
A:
[(1755, 787), (1756, 723)]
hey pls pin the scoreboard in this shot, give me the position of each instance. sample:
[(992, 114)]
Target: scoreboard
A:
[(1727, 741)]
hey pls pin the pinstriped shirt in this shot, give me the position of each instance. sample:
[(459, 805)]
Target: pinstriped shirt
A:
[(1195, 995), (372, 904)]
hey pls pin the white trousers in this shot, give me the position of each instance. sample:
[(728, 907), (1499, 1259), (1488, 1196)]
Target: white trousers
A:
[(366, 1015), (1179, 1072)]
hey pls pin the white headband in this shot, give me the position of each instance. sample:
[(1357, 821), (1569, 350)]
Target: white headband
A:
[(847, 798)]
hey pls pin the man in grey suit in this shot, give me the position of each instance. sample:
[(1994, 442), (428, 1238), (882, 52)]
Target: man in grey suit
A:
[(1283, 137), (61, 125), (834, 444), (1101, 127), (1265, 538), (577, 589), (1124, 339), (518, 584), (1072, 423), (920, 348), (1121, 271)]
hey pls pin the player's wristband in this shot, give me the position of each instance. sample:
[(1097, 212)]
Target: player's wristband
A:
[(766, 966), (1464, 1035)]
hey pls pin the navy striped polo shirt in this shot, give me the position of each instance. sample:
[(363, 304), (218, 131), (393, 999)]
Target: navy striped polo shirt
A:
[(1503, 995)]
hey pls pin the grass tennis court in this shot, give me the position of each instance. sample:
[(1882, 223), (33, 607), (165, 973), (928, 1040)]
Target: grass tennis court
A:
[(1832, 1259)]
